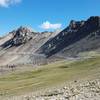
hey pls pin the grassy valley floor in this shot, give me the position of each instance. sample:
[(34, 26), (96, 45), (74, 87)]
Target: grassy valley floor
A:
[(47, 77)]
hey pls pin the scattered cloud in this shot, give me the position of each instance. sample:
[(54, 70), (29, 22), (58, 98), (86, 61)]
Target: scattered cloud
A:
[(7, 3), (47, 25)]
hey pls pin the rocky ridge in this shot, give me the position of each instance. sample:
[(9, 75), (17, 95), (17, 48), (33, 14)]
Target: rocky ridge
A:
[(79, 36)]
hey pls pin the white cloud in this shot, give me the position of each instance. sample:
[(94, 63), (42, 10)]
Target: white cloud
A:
[(48, 25), (6, 3)]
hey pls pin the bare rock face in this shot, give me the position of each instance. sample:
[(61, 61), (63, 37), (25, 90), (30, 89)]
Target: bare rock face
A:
[(22, 35)]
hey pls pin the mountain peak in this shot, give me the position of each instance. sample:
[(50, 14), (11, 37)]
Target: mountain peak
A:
[(22, 35)]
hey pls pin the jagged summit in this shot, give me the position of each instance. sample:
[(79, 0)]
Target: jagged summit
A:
[(19, 36), (22, 35)]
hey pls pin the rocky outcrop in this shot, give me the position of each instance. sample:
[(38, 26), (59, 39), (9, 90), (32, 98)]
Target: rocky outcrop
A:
[(75, 25), (22, 35)]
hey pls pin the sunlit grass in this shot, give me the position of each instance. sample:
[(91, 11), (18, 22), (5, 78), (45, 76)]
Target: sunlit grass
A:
[(47, 76)]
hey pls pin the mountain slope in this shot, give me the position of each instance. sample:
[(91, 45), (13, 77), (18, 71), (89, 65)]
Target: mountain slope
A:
[(19, 45), (24, 46), (79, 36)]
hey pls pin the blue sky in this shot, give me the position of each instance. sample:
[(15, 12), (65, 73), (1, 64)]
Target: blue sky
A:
[(44, 14)]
